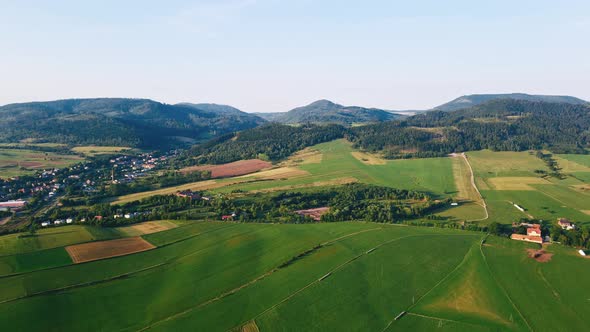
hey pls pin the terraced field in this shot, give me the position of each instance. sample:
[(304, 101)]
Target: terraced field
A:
[(313, 277)]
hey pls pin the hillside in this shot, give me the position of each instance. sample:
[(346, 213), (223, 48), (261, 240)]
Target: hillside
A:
[(119, 121), (477, 99), (501, 125), (325, 111)]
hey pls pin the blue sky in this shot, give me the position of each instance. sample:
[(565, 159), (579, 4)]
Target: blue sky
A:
[(273, 55)]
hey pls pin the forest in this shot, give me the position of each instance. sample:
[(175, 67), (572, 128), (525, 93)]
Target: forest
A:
[(499, 125)]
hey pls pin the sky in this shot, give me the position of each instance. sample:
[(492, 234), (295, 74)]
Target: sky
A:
[(274, 55)]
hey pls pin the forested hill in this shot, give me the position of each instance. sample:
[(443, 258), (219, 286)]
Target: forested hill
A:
[(507, 125), (271, 141), (118, 121), (325, 111), (474, 100)]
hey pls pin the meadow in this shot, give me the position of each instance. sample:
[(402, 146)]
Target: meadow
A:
[(15, 162), (353, 276), (508, 178), (92, 150)]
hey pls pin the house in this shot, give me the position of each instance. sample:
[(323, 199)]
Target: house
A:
[(98, 217), (527, 238), (69, 221), (533, 234), (127, 215), (228, 216), (45, 223), (454, 204), (58, 222), (535, 230), (565, 224), (582, 252), (188, 194)]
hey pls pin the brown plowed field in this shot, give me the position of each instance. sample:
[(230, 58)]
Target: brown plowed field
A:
[(92, 251), (236, 168)]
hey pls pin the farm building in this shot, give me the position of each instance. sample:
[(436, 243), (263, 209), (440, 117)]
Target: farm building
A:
[(527, 238), (582, 252), (565, 224), (18, 204), (188, 194), (315, 214), (535, 230)]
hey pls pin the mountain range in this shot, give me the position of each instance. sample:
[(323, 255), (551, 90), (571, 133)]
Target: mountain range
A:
[(478, 99), (151, 124), (325, 111), (119, 121)]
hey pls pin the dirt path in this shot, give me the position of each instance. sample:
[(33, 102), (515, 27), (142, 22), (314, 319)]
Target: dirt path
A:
[(483, 202)]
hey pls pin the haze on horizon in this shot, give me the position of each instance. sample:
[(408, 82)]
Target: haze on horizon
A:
[(273, 55)]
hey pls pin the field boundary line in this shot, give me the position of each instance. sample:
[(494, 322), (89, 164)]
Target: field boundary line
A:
[(501, 287), (439, 318), (236, 289), (113, 278), (472, 177), (336, 269), (72, 264), (435, 286), (84, 284)]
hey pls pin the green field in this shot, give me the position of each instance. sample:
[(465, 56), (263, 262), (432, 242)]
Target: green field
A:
[(93, 150), (15, 162), (219, 276), (432, 175), (507, 178)]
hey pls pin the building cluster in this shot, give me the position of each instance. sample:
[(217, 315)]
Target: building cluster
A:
[(533, 234), (133, 167), (533, 231)]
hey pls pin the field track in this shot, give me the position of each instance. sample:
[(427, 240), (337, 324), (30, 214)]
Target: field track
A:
[(105, 249), (483, 202)]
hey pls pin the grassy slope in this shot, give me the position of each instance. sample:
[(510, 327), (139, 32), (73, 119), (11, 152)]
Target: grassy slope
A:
[(430, 175), (551, 295), (555, 199), (201, 277), (53, 238), (42, 160)]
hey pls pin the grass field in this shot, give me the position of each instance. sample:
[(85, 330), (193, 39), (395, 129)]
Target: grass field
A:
[(507, 178), (92, 150), (311, 277), (330, 163), (433, 175), (15, 162)]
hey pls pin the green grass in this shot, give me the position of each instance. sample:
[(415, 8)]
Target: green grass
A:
[(212, 276), (488, 164), (15, 162), (471, 295), (53, 238), (549, 295), (432, 175), (32, 261), (99, 150)]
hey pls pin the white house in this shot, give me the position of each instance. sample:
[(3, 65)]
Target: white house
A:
[(127, 216), (45, 224), (582, 252), (69, 221), (58, 222)]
